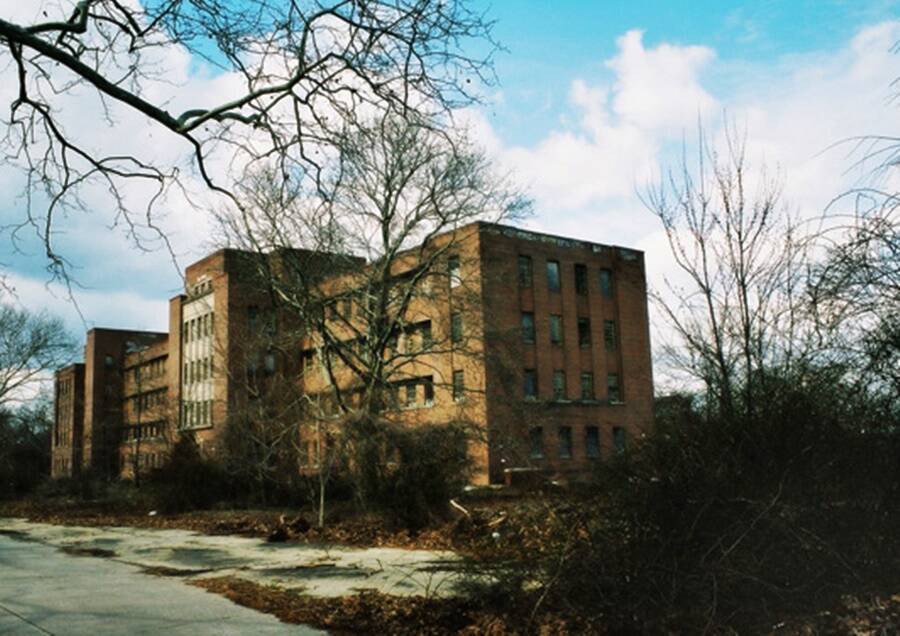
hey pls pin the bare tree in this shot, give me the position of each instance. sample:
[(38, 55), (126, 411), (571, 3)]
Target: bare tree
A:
[(385, 268), (734, 305), (855, 292), (32, 347), (301, 69)]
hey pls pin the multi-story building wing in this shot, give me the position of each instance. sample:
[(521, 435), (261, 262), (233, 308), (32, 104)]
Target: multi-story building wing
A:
[(540, 343), (68, 420)]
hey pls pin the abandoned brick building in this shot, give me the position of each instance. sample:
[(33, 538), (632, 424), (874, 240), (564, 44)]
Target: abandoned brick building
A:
[(541, 342)]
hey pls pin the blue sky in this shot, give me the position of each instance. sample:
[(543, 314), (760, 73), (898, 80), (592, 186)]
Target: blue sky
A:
[(592, 99), (550, 42)]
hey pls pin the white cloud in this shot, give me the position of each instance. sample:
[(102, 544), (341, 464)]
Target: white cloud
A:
[(659, 88), (585, 176), (125, 309)]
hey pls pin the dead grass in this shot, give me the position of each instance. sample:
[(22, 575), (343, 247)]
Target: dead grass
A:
[(376, 613)]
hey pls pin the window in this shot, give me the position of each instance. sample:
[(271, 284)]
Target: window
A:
[(526, 276), (606, 283), (269, 364), (619, 439), (108, 362), (536, 442), (581, 284), (613, 391), (425, 332), (531, 387), (584, 332), (453, 271), (559, 385), (553, 275), (587, 385), (592, 442), (252, 319), (410, 394), (609, 334), (459, 385), (456, 328), (565, 442), (527, 327), (428, 385), (556, 329)]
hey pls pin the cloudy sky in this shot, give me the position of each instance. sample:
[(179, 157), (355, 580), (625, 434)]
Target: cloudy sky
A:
[(594, 98)]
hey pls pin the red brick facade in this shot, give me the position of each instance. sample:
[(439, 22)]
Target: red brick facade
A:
[(556, 371)]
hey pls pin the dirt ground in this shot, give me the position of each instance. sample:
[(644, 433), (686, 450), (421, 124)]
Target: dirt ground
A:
[(473, 535), (457, 532)]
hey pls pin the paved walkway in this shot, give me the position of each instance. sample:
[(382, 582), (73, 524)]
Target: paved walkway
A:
[(44, 591), (316, 570)]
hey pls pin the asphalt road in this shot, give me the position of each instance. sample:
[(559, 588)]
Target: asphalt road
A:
[(45, 591)]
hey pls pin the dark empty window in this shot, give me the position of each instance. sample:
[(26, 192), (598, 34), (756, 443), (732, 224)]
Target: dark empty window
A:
[(530, 386), (429, 391), (556, 332), (525, 271), (536, 442), (609, 334), (587, 385), (613, 390), (606, 283), (619, 439), (592, 441), (425, 334), (456, 328), (559, 385), (553, 275), (528, 327), (581, 281), (565, 442), (459, 385), (584, 332), (453, 271)]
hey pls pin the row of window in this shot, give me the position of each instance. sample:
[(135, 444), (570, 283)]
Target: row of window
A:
[(556, 331), (149, 370), (406, 394), (143, 431), (560, 391), (200, 289), (146, 460), (554, 278), (196, 413), (414, 338), (61, 435), (146, 401), (564, 446), (198, 327), (198, 370)]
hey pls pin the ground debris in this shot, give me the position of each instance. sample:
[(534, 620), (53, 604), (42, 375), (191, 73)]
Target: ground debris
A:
[(371, 612)]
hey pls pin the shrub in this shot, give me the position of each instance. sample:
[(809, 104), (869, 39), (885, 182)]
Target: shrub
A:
[(410, 473), (719, 522), (188, 480)]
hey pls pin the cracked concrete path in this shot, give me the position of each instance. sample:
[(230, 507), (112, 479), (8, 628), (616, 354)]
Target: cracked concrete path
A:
[(316, 570), (46, 591)]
